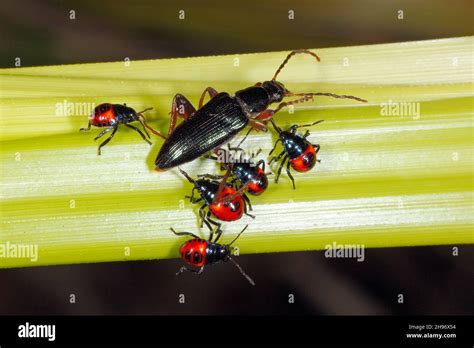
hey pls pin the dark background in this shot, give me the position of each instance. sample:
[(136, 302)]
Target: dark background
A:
[(431, 279)]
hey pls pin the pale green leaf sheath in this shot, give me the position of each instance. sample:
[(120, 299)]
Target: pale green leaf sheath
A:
[(396, 171)]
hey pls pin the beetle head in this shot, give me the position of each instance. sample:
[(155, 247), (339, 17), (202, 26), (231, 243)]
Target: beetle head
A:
[(276, 90), (224, 252), (130, 113)]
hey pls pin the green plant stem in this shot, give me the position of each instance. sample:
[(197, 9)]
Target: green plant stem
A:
[(384, 179)]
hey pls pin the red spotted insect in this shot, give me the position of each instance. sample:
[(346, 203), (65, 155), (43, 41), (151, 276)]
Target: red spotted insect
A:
[(198, 253), (214, 194), (297, 152), (111, 116)]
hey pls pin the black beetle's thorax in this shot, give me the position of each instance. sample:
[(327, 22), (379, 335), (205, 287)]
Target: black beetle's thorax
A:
[(256, 99), (216, 252)]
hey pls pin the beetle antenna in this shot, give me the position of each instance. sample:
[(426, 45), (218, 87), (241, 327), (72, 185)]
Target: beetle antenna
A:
[(326, 95), (289, 57), (245, 137), (142, 120), (306, 125), (184, 233), (242, 271), (238, 235), (147, 109), (191, 180), (277, 129)]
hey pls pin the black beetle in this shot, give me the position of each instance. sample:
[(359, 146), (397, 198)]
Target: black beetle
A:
[(224, 116)]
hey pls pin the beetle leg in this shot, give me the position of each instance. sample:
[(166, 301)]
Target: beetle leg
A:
[(209, 156), (222, 185), (204, 220), (235, 148), (142, 120), (247, 199), (280, 168), (277, 158), (265, 115), (316, 150), (139, 132), (182, 107), (107, 140), (201, 210), (207, 219), (218, 235), (196, 200), (191, 198), (202, 215), (247, 202), (211, 234), (245, 137), (106, 130), (186, 175), (86, 129), (257, 126), (275, 126), (274, 147), (184, 268), (289, 174), (240, 191), (144, 128), (210, 176), (183, 233), (212, 93), (210, 227), (215, 223)]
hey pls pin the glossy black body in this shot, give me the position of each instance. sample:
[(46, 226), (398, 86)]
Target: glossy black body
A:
[(124, 114), (294, 144), (211, 126), (216, 253), (246, 172), (216, 123), (207, 189)]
